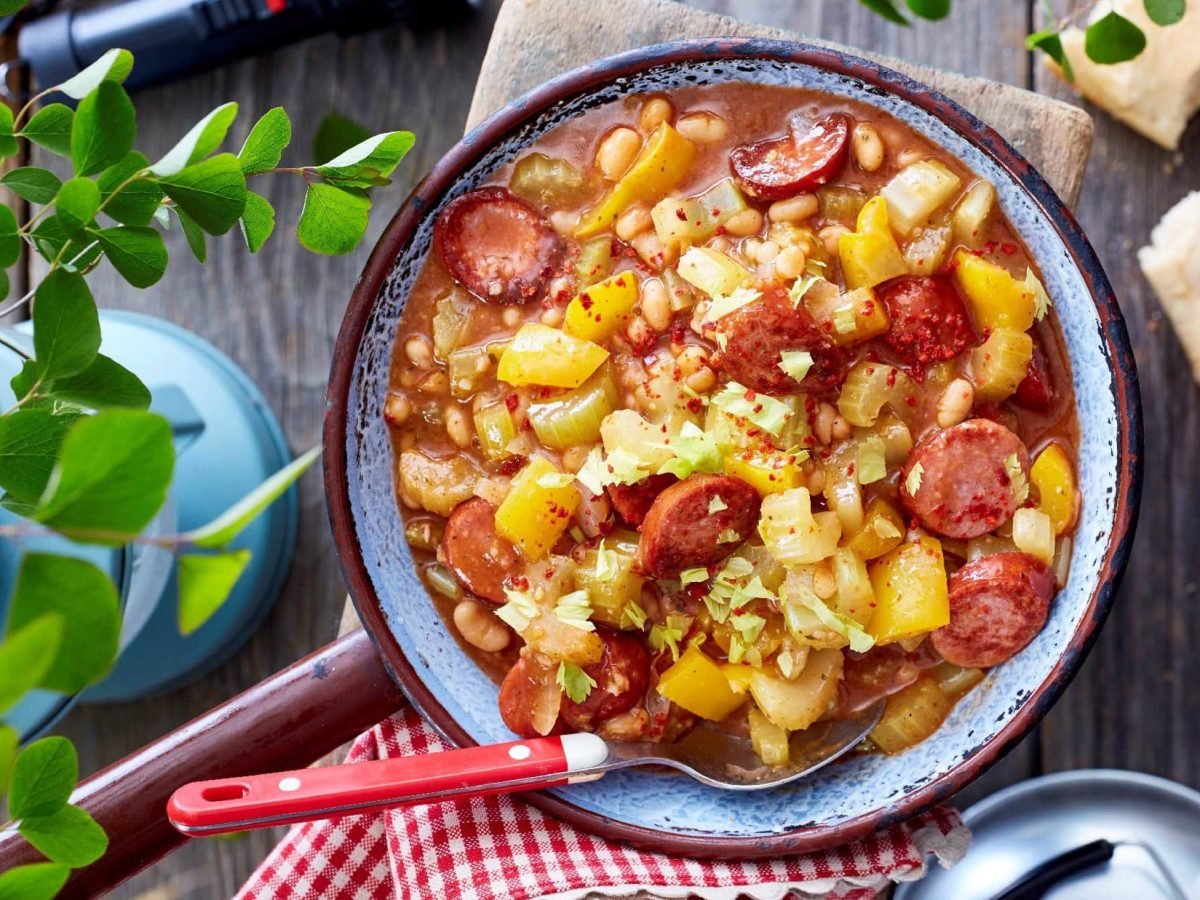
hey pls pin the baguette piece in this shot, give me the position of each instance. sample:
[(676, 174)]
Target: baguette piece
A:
[(1155, 93), (1171, 264)]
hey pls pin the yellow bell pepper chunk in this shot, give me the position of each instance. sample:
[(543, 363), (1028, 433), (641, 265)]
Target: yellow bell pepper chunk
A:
[(738, 676), (533, 516), (597, 313), (871, 255), (766, 473), (662, 163), (996, 298), (911, 715), (539, 354), (911, 597), (697, 683), (1054, 480), (882, 531), (849, 318)]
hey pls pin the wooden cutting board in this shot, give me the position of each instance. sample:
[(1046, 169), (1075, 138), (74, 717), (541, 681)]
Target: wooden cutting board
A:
[(535, 40)]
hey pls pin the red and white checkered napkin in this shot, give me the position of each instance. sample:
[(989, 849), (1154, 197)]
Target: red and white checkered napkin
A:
[(498, 847)]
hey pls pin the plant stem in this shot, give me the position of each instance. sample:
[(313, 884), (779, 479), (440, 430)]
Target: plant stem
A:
[(29, 105), (83, 535)]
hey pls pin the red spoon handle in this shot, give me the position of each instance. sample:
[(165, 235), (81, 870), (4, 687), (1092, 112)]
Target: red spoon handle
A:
[(281, 798)]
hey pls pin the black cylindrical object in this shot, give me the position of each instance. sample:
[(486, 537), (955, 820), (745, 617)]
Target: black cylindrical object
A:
[(170, 38)]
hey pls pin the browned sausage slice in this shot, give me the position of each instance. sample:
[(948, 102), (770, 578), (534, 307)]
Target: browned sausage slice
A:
[(633, 501), (682, 530), (929, 322), (755, 336), (479, 558), (812, 154), (998, 604), (963, 488), (497, 245), (621, 677), (524, 689)]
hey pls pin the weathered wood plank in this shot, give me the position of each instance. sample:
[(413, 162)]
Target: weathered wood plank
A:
[(1134, 706)]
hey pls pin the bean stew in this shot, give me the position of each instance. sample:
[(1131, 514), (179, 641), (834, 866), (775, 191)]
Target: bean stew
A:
[(741, 404)]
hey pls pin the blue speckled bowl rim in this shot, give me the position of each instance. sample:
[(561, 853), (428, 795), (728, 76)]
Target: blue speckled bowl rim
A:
[(341, 464)]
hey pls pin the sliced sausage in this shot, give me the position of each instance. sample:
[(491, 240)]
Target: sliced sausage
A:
[(755, 336), (963, 488), (633, 501), (929, 320), (621, 677), (479, 558), (497, 245), (1035, 391), (812, 154), (528, 695), (682, 531), (998, 604)]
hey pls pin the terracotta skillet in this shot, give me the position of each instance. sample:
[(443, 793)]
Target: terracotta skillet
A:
[(306, 711)]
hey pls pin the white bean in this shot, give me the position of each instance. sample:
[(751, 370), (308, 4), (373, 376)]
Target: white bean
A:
[(955, 403), (868, 147), (702, 380), (656, 304), (747, 222), (633, 221), (789, 264), (419, 351), (654, 112), (830, 236), (794, 209), (617, 151), (702, 127), (397, 409), (691, 360), (458, 426), (479, 627)]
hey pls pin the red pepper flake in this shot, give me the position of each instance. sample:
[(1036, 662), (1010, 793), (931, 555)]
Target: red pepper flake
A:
[(721, 230), (586, 301), (695, 405), (1008, 249), (510, 465), (680, 214), (750, 395), (512, 401), (891, 379), (520, 582)]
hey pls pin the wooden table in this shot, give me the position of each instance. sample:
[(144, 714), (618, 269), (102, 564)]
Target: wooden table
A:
[(1134, 705)]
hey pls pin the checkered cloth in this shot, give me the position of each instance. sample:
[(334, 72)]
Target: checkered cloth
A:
[(491, 847)]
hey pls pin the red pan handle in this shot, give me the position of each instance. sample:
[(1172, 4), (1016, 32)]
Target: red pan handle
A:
[(282, 798), (290, 720)]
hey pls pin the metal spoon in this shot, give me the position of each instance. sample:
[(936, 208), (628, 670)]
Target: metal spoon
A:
[(713, 757)]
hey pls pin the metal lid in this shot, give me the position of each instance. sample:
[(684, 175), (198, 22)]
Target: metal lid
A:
[(1024, 826)]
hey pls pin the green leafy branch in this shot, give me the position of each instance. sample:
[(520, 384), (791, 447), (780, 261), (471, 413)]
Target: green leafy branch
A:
[(1111, 38), (81, 455)]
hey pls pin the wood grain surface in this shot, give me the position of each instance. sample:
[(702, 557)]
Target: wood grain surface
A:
[(1134, 705)]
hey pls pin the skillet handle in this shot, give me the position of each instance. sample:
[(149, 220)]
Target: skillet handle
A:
[(287, 721)]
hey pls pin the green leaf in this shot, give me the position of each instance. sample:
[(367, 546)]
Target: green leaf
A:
[(50, 128), (333, 220), (138, 253), (26, 656), (193, 234), (102, 385), (887, 9), (1048, 41), (66, 326), (113, 66), (76, 204), (111, 477), (138, 199), (266, 141), (203, 138), (29, 443), (69, 836), (8, 143), (258, 221), (335, 134), (51, 239), (930, 9), (23, 382), (43, 778), (1166, 12), (225, 527), (87, 601), (10, 240), (373, 159), (204, 584), (34, 881), (1113, 39), (104, 129), (212, 192), (32, 183), (9, 739)]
